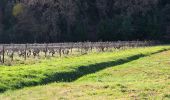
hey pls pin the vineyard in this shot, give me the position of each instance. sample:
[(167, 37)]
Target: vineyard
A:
[(24, 51), (84, 49)]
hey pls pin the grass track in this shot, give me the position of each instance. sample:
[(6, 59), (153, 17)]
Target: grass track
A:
[(145, 78), (68, 69)]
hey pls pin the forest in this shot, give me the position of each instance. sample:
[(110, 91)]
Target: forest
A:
[(50, 21)]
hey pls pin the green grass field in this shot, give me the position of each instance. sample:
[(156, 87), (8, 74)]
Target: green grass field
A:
[(138, 73)]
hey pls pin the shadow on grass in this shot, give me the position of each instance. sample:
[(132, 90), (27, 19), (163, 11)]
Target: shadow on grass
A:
[(79, 72), (85, 70)]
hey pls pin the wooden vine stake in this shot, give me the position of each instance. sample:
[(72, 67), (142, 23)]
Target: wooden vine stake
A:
[(46, 49), (3, 54), (25, 51)]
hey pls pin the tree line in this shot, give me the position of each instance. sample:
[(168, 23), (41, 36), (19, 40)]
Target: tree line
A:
[(28, 21)]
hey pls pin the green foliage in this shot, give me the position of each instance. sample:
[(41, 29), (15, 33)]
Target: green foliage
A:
[(106, 27), (80, 32), (78, 20), (18, 9)]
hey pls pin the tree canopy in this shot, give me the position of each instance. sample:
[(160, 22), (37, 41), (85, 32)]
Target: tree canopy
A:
[(28, 21)]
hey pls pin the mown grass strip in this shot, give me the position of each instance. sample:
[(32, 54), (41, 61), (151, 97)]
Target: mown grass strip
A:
[(68, 69), (84, 70)]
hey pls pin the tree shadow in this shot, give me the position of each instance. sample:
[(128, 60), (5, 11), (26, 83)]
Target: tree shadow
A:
[(85, 70)]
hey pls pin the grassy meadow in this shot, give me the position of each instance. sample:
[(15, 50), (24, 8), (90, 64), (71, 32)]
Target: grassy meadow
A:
[(134, 73)]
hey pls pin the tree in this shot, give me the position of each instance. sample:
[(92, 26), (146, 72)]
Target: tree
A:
[(83, 20)]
